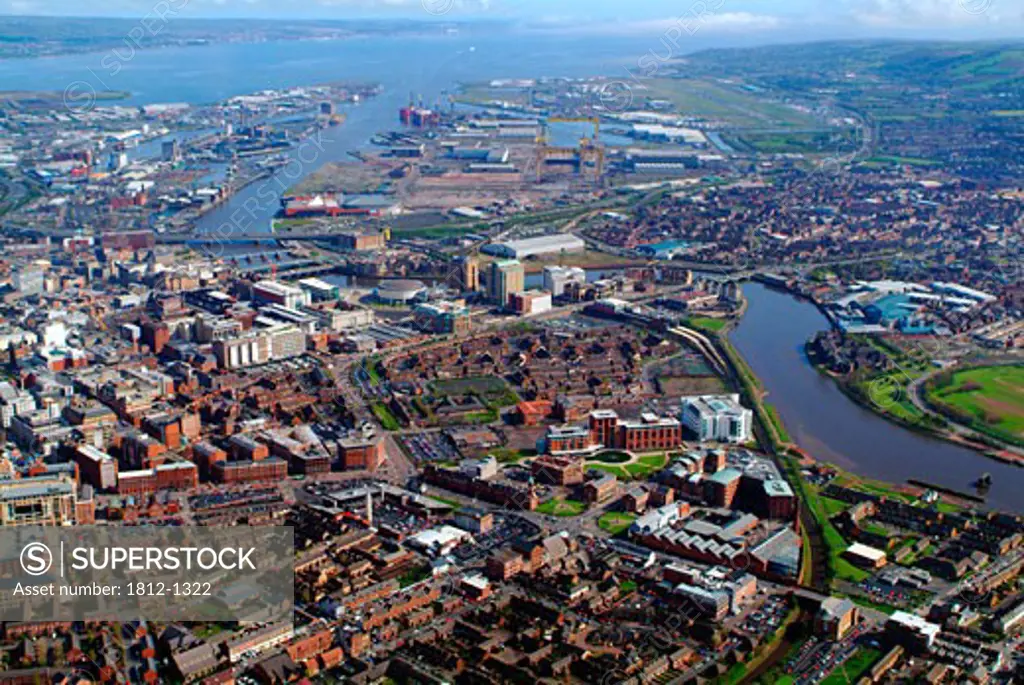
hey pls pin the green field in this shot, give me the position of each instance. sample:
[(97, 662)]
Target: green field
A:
[(833, 506), (707, 324), (903, 161), (726, 102), (565, 508), (615, 522), (990, 399)]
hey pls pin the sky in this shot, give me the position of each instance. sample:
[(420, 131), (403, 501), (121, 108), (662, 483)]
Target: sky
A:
[(981, 18)]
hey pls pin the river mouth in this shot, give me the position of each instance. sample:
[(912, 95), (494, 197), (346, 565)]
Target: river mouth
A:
[(832, 428)]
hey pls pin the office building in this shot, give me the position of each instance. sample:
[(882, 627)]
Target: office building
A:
[(835, 618), (467, 273), (442, 317), (506, 277), (29, 280), (97, 468), (241, 352), (170, 151), (258, 347), (718, 418), (911, 632), (320, 291)]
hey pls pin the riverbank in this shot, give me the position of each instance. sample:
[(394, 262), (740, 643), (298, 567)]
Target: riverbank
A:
[(930, 425), (819, 419)]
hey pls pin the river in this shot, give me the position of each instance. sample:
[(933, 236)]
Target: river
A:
[(823, 421), (408, 66)]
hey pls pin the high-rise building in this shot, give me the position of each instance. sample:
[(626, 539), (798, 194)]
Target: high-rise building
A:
[(169, 151), (507, 276), (468, 273)]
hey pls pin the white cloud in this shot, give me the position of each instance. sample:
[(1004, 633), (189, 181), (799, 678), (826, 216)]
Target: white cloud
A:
[(927, 13), (692, 23)]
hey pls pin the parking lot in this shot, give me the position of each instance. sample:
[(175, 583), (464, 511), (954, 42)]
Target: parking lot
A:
[(429, 448), (818, 656), (767, 618)]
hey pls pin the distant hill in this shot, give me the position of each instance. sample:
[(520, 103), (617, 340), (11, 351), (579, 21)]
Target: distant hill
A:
[(970, 66)]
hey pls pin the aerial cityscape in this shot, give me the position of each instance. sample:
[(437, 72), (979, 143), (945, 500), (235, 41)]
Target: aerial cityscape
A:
[(583, 349)]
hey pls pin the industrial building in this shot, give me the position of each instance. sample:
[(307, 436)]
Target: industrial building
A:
[(717, 418), (558, 279), (536, 247)]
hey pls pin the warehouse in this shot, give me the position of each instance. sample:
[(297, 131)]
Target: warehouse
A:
[(534, 247)]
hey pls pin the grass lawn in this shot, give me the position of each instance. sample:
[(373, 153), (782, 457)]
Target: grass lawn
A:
[(837, 544), (773, 416), (627, 586), (565, 508), (833, 506), (617, 471), (612, 457), (207, 630), (906, 161), (850, 671), (643, 467), (504, 455), (615, 522), (994, 396), (865, 602), (707, 324), (414, 576), (384, 415), (370, 366), (454, 504)]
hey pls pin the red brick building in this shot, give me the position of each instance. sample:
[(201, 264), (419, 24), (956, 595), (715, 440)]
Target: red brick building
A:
[(249, 471), (310, 646), (357, 454), (557, 470)]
